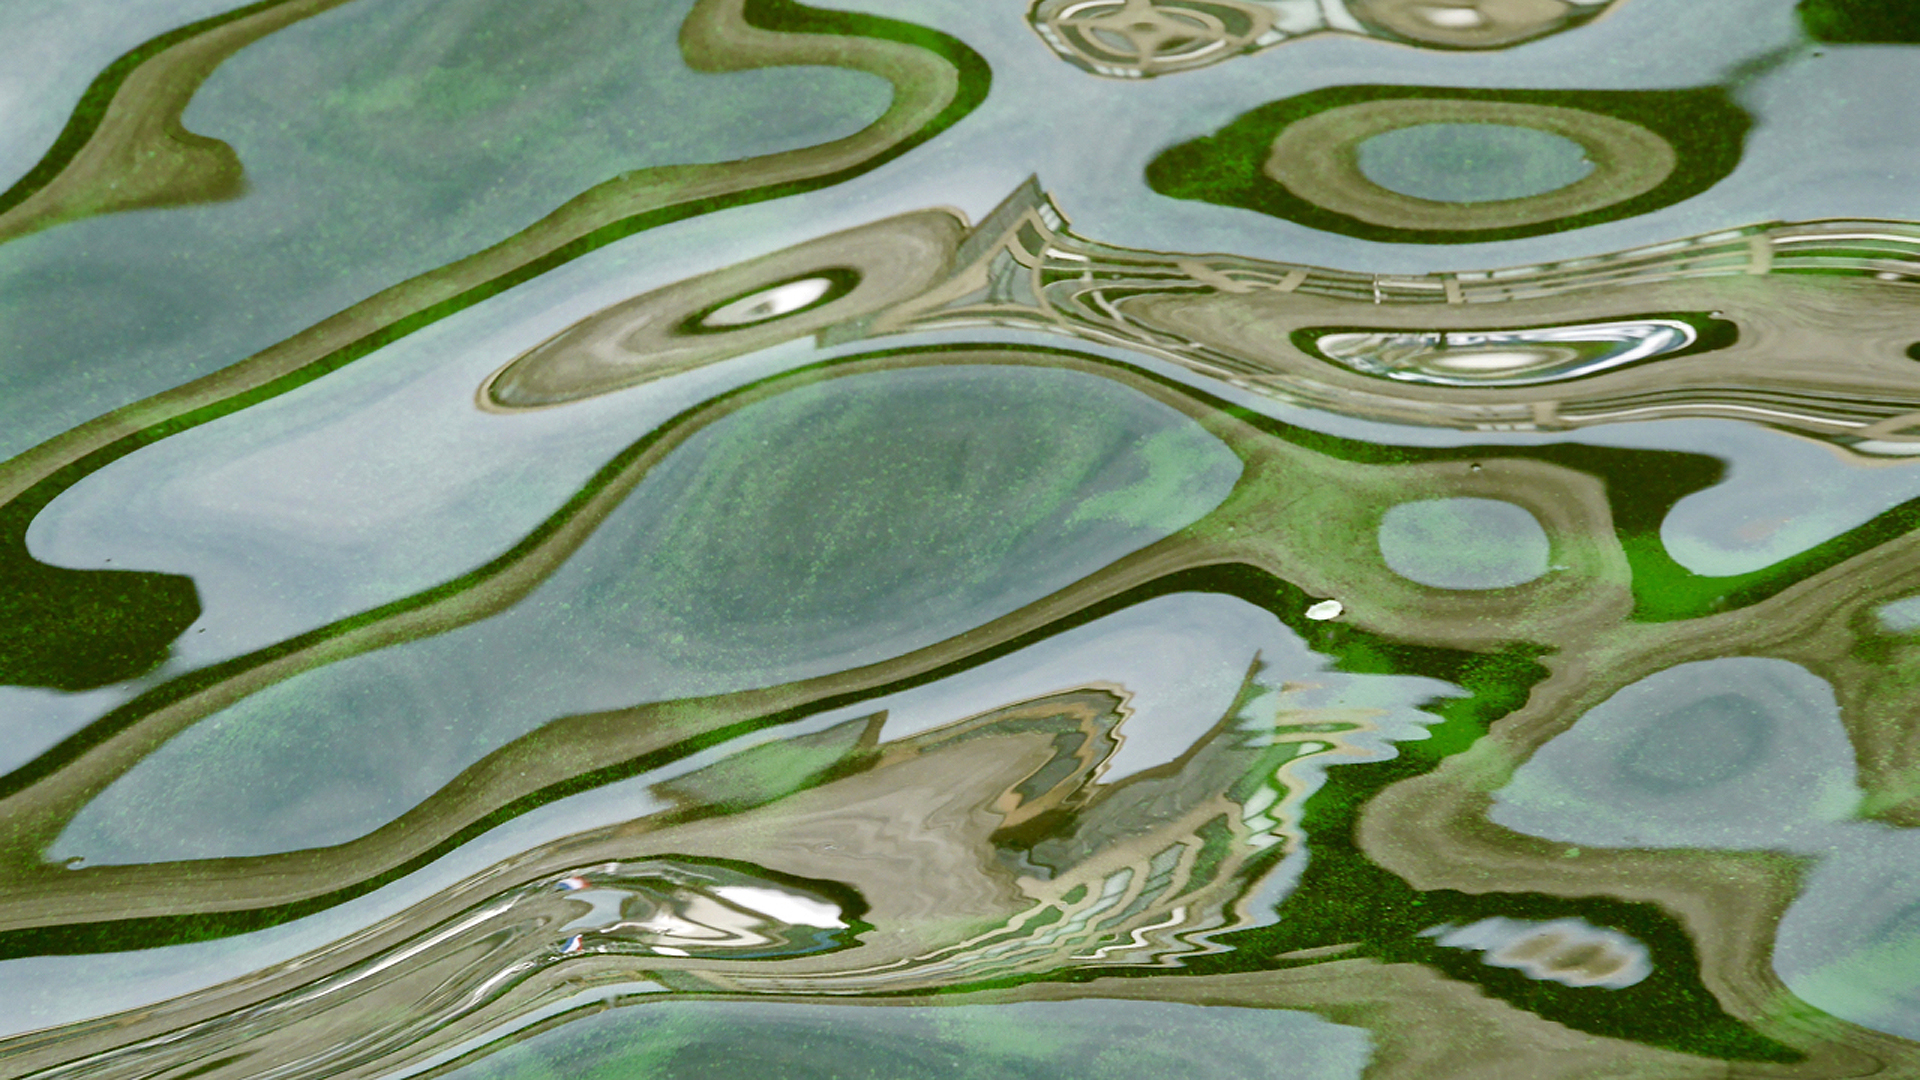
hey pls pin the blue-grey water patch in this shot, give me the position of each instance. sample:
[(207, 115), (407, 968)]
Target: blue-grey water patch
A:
[(380, 140), (1901, 616), (1471, 163), (49, 53), (1782, 495), (1739, 752), (1089, 1038), (833, 526), (1851, 944), (1464, 543)]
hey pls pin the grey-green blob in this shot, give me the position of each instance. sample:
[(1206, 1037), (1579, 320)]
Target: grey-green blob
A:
[(380, 140), (833, 526), (1471, 163), (1464, 543), (1739, 752), (1044, 1040)]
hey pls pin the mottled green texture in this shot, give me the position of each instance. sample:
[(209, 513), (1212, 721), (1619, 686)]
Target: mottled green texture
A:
[(53, 620), (1705, 127), (1861, 22), (884, 500)]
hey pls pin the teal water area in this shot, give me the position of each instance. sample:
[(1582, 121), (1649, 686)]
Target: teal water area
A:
[(1064, 1040), (836, 525), (1074, 669), (380, 140)]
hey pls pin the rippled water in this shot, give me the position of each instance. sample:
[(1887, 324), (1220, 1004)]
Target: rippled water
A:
[(1113, 538)]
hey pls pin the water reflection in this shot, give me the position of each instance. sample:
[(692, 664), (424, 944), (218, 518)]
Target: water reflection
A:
[(1093, 1038), (1133, 39), (1502, 357), (914, 559)]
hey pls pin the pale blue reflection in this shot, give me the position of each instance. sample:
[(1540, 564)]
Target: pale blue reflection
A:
[(1740, 752), (380, 140), (1746, 753), (830, 527), (1783, 494), (1464, 543), (50, 53), (1090, 1038), (1901, 616)]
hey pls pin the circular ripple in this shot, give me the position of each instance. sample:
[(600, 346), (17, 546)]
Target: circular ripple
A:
[(1319, 159)]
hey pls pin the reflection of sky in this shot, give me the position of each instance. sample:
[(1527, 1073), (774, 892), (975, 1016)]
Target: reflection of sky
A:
[(49, 53), (381, 139), (699, 584), (1181, 659), (1831, 140), (1619, 778), (1064, 1040), (1782, 495)]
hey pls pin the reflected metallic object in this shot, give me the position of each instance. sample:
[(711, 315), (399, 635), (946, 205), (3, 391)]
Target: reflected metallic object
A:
[(1139, 38), (663, 909), (1759, 300), (1134, 39), (987, 847), (778, 301), (735, 310), (1503, 357)]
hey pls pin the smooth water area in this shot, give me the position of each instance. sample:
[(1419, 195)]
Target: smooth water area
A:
[(1066, 540), (371, 158)]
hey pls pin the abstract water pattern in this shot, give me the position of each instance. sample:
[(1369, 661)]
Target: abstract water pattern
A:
[(884, 538)]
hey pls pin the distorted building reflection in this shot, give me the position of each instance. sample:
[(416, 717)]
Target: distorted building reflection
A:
[(1805, 326), (1745, 323), (984, 849), (1131, 39)]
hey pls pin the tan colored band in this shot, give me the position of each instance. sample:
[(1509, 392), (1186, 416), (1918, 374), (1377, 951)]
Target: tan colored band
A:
[(1316, 159)]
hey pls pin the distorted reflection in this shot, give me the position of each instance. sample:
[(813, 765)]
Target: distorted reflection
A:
[(1502, 357), (1132, 39), (1568, 951), (737, 535), (1464, 543)]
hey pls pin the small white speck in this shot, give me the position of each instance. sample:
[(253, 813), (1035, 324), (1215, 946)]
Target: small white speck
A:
[(1324, 610)]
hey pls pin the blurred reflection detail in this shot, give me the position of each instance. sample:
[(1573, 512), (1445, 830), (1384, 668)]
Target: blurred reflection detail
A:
[(1454, 165), (734, 311), (984, 849), (1717, 325), (1500, 357), (1568, 951), (958, 617), (1133, 39)]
